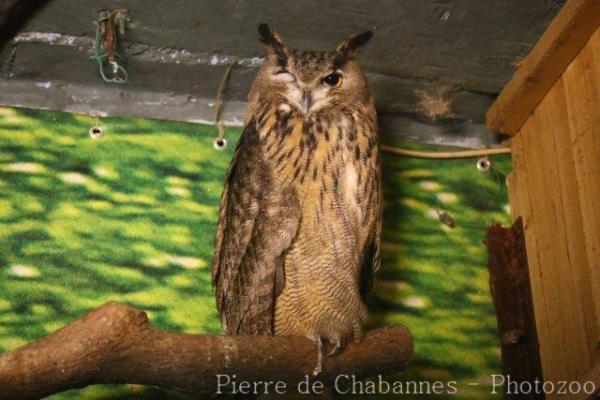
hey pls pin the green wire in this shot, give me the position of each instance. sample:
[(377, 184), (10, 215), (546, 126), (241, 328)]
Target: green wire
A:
[(99, 56)]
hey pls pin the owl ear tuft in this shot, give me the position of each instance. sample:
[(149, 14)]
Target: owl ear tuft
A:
[(349, 47), (272, 41), (268, 36)]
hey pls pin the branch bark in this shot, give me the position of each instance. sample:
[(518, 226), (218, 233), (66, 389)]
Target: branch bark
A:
[(116, 344)]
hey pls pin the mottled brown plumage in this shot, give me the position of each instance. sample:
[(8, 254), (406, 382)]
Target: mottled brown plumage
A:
[(300, 223)]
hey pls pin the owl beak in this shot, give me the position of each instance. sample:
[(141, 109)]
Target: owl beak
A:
[(307, 100)]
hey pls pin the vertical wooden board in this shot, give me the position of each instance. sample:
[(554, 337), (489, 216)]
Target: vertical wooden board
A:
[(521, 207), (568, 226), (515, 185), (560, 316), (582, 86), (514, 188), (525, 199), (578, 262)]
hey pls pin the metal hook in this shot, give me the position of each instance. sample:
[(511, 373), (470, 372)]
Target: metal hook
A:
[(220, 143), (484, 164), (96, 132)]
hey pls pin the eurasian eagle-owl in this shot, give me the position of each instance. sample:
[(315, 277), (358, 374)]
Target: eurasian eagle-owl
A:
[(299, 231)]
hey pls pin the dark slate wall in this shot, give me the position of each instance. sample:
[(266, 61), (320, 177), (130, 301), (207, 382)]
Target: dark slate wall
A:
[(461, 52)]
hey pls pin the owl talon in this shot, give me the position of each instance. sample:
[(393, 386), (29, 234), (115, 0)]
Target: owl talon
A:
[(319, 366), (335, 349)]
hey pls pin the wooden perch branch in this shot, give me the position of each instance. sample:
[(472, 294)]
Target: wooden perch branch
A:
[(116, 344)]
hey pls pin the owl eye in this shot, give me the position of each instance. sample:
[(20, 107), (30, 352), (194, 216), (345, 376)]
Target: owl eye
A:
[(285, 75), (334, 79)]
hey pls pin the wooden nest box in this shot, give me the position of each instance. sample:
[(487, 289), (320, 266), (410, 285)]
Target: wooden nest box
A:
[(551, 108)]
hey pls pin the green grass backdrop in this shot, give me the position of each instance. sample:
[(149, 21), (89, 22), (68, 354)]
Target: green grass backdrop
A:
[(131, 216)]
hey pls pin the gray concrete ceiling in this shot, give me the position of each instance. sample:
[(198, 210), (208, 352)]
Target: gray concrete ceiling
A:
[(453, 54)]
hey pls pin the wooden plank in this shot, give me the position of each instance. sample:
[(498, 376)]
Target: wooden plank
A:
[(582, 86), (541, 312), (578, 263), (557, 47), (516, 185), (567, 339), (511, 292)]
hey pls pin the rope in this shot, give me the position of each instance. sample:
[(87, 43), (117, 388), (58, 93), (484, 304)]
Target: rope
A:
[(445, 154), (220, 143)]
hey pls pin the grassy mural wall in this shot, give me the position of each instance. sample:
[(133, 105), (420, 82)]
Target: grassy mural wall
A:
[(131, 216)]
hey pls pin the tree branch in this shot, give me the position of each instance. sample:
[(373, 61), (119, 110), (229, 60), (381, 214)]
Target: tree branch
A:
[(116, 344)]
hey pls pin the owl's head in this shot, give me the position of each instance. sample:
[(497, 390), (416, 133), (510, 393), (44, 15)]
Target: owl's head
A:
[(311, 81)]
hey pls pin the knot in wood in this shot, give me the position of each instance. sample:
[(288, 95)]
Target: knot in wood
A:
[(512, 336)]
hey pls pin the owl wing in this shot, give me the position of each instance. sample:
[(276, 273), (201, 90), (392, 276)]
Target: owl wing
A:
[(372, 252), (257, 223), (371, 262)]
